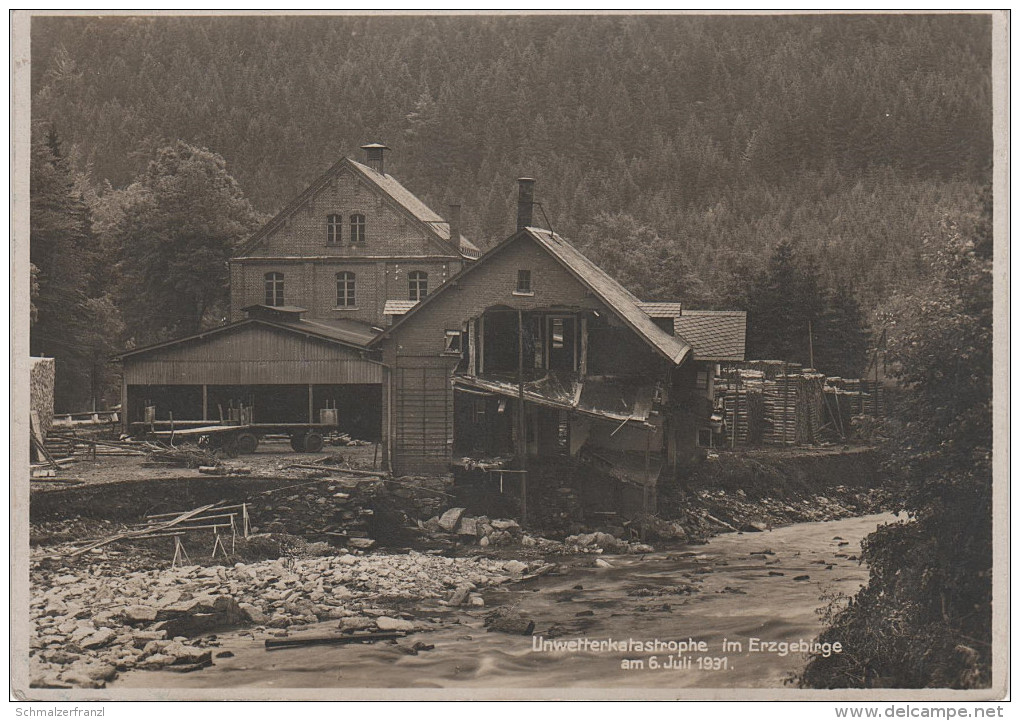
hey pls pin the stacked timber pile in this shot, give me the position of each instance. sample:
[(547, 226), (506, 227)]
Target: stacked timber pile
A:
[(781, 403), (742, 393), (780, 397)]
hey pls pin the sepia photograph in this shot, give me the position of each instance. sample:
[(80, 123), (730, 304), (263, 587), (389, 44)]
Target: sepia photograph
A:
[(449, 355)]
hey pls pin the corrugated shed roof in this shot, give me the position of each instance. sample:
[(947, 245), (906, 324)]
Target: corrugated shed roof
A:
[(398, 307), (413, 205), (717, 335), (614, 295), (661, 309)]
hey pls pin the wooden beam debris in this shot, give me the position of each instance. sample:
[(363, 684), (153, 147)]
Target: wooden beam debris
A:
[(273, 644)]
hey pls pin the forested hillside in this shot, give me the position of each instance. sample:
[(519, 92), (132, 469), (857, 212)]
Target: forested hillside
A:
[(678, 151)]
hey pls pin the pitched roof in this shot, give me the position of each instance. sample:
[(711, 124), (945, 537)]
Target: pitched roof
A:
[(341, 329), (614, 295), (347, 333), (603, 286), (398, 307), (717, 335), (388, 184), (659, 309), (412, 204)]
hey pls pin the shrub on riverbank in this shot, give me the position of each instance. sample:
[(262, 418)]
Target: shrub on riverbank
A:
[(924, 620)]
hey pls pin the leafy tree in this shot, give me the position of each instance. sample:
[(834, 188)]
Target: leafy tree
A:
[(925, 617), (174, 228)]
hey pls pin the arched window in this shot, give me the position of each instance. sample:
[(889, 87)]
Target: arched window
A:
[(334, 223), (357, 228), (274, 289), (417, 285), (345, 297)]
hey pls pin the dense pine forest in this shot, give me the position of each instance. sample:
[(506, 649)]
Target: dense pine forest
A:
[(689, 155)]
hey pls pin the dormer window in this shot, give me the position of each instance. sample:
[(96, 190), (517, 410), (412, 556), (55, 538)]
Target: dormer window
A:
[(357, 228), (417, 285), (274, 289)]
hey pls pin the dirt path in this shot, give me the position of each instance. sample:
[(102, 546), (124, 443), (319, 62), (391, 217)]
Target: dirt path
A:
[(726, 590)]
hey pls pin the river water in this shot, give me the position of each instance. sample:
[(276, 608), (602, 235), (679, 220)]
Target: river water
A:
[(741, 594)]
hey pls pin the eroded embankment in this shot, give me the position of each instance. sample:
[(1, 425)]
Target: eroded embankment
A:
[(755, 490)]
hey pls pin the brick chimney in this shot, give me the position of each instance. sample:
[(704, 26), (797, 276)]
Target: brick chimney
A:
[(525, 202), (374, 156), (453, 218)]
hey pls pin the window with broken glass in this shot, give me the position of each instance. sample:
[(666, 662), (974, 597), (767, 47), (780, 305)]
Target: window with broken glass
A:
[(453, 342)]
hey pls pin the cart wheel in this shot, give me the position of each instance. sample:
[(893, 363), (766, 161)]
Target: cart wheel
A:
[(297, 442), (247, 443), (313, 442)]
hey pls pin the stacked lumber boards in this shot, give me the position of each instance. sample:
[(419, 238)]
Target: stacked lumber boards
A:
[(781, 403)]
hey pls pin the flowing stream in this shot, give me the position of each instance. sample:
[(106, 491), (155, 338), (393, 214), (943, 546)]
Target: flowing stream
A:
[(742, 593)]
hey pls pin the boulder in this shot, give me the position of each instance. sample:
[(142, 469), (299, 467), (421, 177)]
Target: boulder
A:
[(507, 620), (100, 638), (468, 527), (602, 563), (139, 614), (253, 613), (459, 596), (356, 623), (201, 615), (448, 521), (515, 568), (388, 623), (362, 544), (505, 524), (183, 653)]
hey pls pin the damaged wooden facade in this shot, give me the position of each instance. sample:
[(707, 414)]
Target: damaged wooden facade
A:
[(534, 324)]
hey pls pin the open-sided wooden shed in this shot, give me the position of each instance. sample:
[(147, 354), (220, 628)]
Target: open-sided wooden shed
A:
[(285, 368)]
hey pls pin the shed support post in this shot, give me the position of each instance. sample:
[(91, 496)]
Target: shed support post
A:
[(311, 406), (205, 402), (583, 368), (522, 434), (124, 427)]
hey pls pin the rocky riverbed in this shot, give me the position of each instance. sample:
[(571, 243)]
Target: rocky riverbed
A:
[(95, 620)]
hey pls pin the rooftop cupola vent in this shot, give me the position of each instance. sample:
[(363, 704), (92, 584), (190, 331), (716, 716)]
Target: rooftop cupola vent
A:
[(374, 156)]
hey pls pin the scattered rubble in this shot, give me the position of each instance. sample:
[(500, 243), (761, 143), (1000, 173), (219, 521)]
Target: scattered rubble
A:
[(92, 621)]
